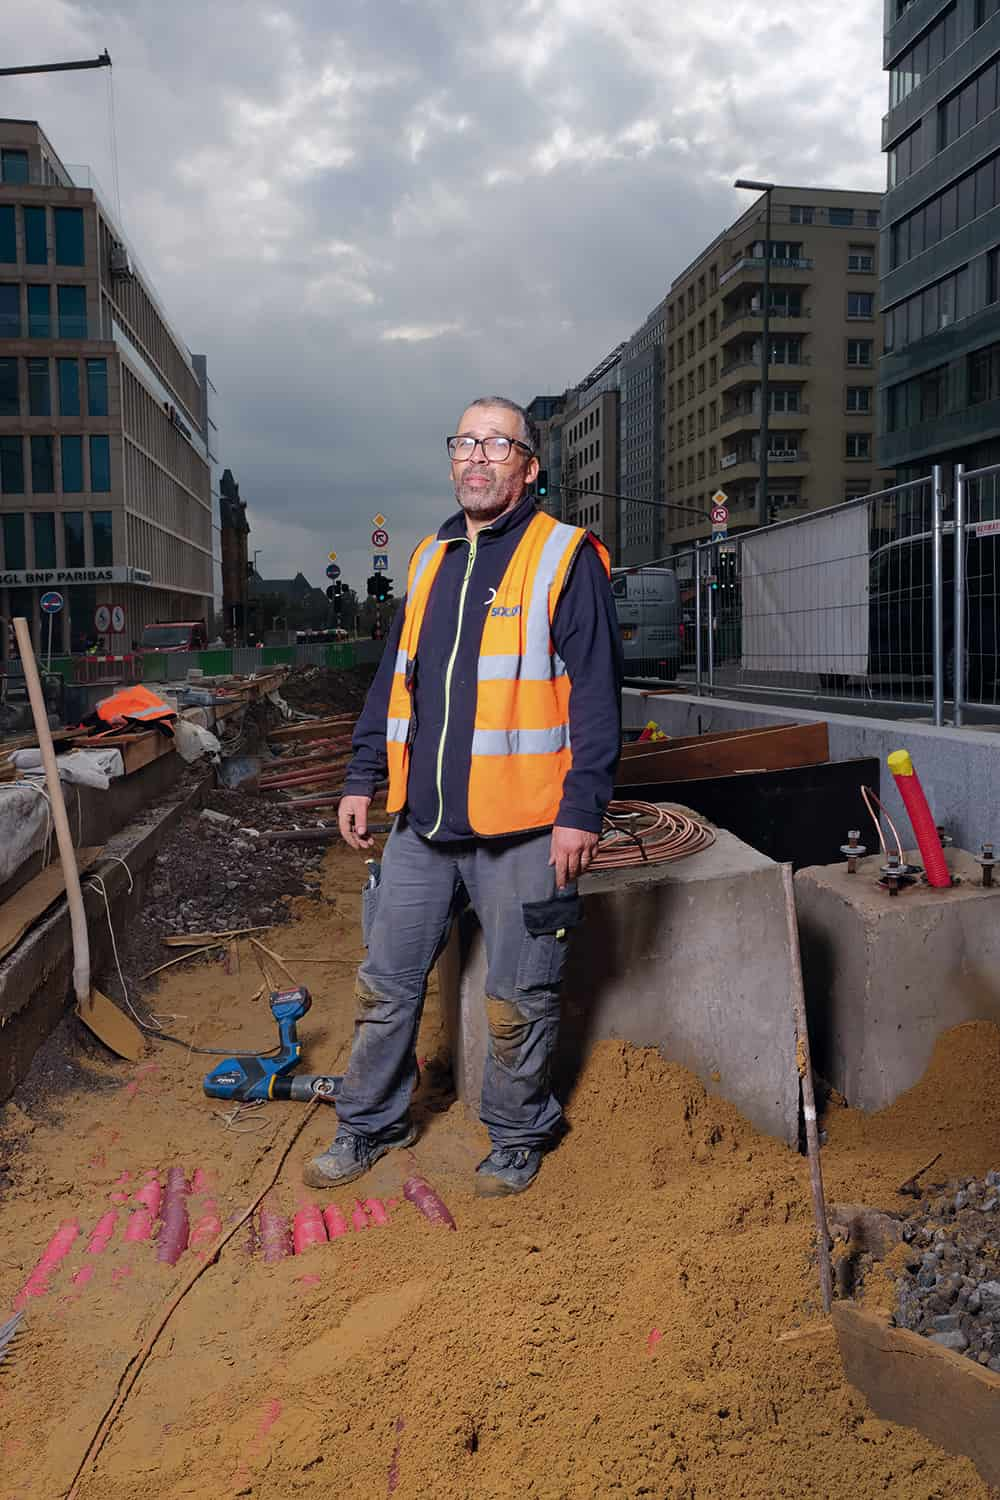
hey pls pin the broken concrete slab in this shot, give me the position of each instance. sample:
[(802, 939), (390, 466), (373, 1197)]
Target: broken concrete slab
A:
[(885, 976), (691, 957)]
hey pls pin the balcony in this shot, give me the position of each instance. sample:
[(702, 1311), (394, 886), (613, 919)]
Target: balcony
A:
[(749, 320), (756, 263), (746, 418), (743, 465)]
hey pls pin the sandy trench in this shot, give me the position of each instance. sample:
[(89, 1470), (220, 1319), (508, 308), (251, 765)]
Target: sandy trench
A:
[(612, 1333)]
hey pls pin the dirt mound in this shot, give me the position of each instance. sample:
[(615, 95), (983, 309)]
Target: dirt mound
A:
[(327, 690), (616, 1331)]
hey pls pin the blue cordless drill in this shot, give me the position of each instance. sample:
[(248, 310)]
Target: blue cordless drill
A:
[(248, 1076)]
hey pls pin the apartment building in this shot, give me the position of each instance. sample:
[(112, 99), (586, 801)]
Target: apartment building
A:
[(825, 342), (939, 379), (643, 393), (107, 462)]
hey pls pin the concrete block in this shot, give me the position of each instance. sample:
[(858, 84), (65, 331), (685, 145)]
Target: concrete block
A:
[(885, 976), (691, 957)]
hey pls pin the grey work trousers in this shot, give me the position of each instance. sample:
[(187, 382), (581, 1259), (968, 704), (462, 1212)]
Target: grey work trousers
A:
[(408, 916)]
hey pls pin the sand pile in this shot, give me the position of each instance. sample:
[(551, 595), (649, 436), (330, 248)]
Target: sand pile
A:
[(617, 1331)]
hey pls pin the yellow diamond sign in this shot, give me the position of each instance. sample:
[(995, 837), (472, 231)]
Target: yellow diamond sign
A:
[(379, 520), (332, 556)]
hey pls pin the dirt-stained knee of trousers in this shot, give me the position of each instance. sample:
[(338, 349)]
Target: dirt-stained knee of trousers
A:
[(508, 1028), (365, 998)]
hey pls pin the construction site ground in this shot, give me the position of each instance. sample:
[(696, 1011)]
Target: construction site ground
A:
[(618, 1330)]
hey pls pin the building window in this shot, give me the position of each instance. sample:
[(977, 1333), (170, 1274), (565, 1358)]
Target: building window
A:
[(39, 312), (14, 554), (713, 370), (11, 466), (39, 389), (43, 526), (10, 401), (36, 249), (861, 258), (713, 415), (100, 464), (73, 543), (799, 213), (910, 70), (859, 353), (8, 234), (14, 167), (69, 236), (10, 312), (43, 469), (701, 421), (842, 217), (713, 278), (905, 156), (860, 304), (993, 277), (974, 101), (101, 538), (937, 306), (72, 464), (72, 312), (984, 375), (69, 387), (859, 445), (783, 400), (859, 398), (784, 351), (873, 218), (713, 460)]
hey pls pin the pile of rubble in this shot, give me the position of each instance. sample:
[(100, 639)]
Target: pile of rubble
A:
[(327, 690), (950, 1288)]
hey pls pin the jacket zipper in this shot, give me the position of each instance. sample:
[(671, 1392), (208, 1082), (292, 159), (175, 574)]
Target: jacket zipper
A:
[(447, 685)]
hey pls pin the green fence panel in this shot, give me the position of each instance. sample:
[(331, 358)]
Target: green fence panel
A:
[(340, 656), (63, 665), (216, 663), (154, 667), (277, 656)]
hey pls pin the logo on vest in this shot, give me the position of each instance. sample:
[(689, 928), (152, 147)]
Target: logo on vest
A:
[(506, 611)]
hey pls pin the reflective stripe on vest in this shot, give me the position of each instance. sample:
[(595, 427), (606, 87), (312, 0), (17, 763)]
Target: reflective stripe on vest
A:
[(521, 743)]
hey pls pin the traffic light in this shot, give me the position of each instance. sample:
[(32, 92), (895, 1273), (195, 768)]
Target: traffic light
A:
[(384, 588), (374, 583), (331, 593), (542, 483)]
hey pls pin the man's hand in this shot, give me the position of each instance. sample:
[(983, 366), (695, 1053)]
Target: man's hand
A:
[(573, 850), (352, 816)]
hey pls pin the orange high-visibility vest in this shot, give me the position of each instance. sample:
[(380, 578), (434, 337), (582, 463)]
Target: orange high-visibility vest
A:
[(134, 702), (520, 744)]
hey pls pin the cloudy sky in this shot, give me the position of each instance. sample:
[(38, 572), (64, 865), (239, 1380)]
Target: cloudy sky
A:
[(365, 213)]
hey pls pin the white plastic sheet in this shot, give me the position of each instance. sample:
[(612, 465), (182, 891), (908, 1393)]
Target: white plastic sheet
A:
[(804, 596)]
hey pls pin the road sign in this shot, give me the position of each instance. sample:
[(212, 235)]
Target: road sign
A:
[(102, 618), (719, 535), (379, 520), (380, 537), (720, 515), (332, 556), (332, 571), (380, 562), (117, 618), (720, 498), (51, 603)]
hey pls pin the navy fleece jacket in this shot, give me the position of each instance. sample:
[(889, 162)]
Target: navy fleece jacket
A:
[(584, 633)]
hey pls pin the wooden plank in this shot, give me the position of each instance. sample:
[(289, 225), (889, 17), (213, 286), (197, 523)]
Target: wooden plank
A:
[(907, 1379), (685, 741), (316, 730), (771, 750), (24, 908), (146, 749)]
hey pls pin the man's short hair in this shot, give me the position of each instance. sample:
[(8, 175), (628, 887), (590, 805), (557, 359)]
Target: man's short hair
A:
[(529, 432)]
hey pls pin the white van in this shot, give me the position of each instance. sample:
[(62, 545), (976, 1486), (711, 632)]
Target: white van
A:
[(648, 604)]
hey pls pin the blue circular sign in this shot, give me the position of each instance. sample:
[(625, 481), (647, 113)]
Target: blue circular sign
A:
[(333, 571), (51, 603)]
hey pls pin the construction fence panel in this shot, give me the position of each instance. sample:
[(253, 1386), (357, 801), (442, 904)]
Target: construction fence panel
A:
[(980, 579)]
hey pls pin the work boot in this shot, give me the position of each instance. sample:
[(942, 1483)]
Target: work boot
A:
[(507, 1169), (349, 1155)]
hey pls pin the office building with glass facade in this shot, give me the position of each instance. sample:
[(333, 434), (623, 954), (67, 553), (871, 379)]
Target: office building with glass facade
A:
[(107, 438), (939, 378)]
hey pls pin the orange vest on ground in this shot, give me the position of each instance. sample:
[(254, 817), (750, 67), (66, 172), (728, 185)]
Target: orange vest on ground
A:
[(135, 702), (520, 744)]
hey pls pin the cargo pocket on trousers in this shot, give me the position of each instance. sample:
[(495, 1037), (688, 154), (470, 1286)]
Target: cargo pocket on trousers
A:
[(369, 900), (547, 925)]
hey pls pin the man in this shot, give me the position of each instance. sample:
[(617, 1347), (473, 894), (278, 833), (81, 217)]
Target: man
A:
[(496, 710)]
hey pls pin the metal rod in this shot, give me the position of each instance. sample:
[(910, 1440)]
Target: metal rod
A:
[(958, 648), (937, 597), (804, 1064), (104, 61), (711, 629), (763, 515), (697, 619)]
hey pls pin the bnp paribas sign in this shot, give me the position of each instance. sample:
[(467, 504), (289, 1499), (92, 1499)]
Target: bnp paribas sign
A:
[(65, 578)]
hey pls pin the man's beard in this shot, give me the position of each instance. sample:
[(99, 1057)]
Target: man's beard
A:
[(482, 499)]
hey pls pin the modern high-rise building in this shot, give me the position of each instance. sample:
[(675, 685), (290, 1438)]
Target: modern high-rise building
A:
[(641, 373), (825, 341), (107, 433), (939, 379)]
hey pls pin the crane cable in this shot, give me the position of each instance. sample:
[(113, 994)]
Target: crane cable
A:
[(641, 833)]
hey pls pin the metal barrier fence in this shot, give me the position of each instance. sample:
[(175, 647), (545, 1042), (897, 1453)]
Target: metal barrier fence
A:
[(869, 601)]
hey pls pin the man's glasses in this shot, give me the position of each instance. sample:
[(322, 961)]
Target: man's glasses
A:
[(495, 449)]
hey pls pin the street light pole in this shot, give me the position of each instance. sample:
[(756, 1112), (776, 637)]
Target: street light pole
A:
[(767, 188)]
